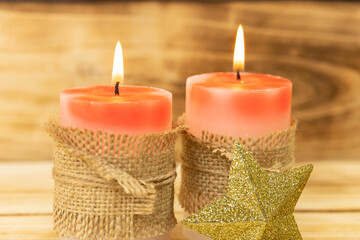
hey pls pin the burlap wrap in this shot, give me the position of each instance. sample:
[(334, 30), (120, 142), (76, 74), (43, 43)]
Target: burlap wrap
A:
[(112, 186), (205, 162)]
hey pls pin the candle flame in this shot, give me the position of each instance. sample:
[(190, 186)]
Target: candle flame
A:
[(239, 52), (118, 66)]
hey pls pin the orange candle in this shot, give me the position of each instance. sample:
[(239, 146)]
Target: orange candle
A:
[(134, 110), (221, 104), (238, 104), (119, 109)]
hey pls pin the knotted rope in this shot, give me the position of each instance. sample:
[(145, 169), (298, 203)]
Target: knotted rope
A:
[(205, 162), (111, 186)]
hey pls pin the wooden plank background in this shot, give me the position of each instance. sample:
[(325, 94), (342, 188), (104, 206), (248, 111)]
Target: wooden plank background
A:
[(47, 47)]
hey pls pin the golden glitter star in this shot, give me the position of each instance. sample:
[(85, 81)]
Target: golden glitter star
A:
[(257, 206)]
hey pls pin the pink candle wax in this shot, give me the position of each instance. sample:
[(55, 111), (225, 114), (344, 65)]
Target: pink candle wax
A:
[(251, 107), (137, 110)]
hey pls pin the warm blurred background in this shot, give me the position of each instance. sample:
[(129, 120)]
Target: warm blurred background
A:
[(48, 47)]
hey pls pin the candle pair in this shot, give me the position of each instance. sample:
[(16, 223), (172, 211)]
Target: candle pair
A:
[(234, 104), (230, 104)]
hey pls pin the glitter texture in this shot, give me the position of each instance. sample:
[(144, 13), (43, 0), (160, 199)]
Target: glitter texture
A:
[(256, 206)]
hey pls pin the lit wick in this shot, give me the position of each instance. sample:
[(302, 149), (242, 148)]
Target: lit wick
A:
[(117, 89), (239, 53), (118, 69)]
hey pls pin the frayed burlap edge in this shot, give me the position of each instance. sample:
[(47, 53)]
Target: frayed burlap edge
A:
[(110, 186), (205, 162)]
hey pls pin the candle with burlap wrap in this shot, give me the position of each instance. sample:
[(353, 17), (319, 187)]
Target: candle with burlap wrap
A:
[(206, 161), (111, 186)]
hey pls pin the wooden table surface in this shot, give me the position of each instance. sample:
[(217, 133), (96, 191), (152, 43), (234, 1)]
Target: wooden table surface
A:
[(329, 207)]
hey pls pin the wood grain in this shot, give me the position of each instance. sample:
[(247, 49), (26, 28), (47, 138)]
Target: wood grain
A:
[(329, 208), (318, 226), (48, 47)]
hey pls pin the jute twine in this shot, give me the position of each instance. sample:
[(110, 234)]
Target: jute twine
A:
[(205, 162), (112, 186)]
